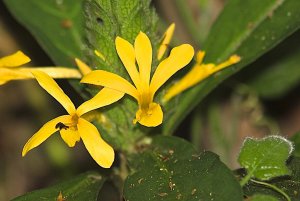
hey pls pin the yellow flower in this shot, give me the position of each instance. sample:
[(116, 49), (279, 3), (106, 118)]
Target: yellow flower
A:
[(149, 113), (198, 73), (73, 126), (165, 42), (10, 70)]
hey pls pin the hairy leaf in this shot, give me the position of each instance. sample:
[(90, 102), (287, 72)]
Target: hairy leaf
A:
[(289, 184), (266, 158)]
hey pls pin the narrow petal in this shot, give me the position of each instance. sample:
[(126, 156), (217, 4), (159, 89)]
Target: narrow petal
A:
[(151, 118), (180, 56), (100, 151), (166, 41), (143, 54), (14, 60), (8, 74), (105, 97), (85, 69), (55, 72), (194, 76), (232, 60), (110, 80), (46, 131), (54, 90), (198, 73), (126, 53), (70, 136), (199, 57)]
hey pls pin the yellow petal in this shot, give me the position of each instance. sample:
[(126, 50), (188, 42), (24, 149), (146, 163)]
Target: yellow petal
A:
[(194, 76), (110, 80), (8, 74), (150, 118), (105, 97), (55, 72), (100, 151), (46, 131), (198, 73), (143, 54), (179, 57), (85, 69), (199, 56), (126, 53), (70, 136), (232, 60), (54, 90), (14, 60), (166, 41)]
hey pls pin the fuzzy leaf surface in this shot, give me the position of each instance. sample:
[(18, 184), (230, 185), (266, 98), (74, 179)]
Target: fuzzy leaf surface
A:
[(265, 158), (289, 184)]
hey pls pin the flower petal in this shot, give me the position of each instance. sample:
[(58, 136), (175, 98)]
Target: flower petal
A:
[(8, 74), (100, 151), (84, 68), (151, 118), (105, 97), (195, 75), (199, 57), (70, 136), (143, 54), (54, 90), (14, 60), (46, 131), (232, 60), (110, 80), (55, 72), (166, 41), (180, 56), (126, 53), (198, 73)]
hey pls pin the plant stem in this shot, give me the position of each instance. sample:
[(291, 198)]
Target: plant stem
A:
[(245, 179), (274, 188)]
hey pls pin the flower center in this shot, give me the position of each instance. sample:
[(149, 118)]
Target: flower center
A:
[(145, 100)]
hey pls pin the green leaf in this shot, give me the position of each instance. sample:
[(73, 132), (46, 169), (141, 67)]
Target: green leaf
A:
[(278, 72), (56, 25), (290, 185), (260, 197), (296, 140), (83, 187), (107, 19), (171, 169), (266, 158), (259, 27)]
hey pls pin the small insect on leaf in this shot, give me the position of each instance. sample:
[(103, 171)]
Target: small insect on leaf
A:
[(61, 126)]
